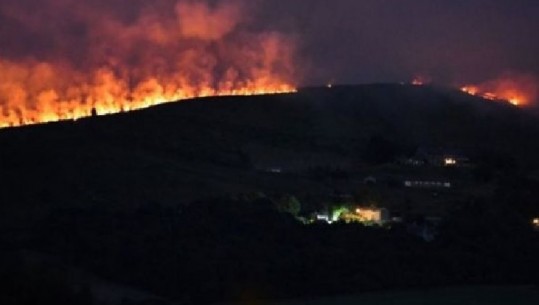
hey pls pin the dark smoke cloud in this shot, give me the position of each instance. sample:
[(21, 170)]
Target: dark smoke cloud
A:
[(59, 59), (386, 40), (349, 41)]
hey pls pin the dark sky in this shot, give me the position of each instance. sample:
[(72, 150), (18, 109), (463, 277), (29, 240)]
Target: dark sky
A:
[(345, 41), (355, 41)]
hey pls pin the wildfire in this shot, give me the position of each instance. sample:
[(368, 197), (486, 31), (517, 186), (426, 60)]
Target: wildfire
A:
[(110, 95), (512, 97), (517, 90), (191, 49)]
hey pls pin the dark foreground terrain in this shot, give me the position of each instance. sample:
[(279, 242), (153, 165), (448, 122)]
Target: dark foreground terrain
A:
[(209, 200), (448, 296)]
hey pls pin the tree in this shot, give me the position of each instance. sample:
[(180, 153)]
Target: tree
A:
[(289, 204)]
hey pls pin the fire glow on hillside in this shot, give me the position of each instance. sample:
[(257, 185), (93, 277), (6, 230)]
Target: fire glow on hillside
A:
[(512, 96), (517, 90), (96, 59)]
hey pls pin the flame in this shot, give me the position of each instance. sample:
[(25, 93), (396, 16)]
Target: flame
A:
[(512, 96), (517, 90), (184, 50)]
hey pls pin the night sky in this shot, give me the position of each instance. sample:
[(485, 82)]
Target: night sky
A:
[(383, 40), (344, 41)]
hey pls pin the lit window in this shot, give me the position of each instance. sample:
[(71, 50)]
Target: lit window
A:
[(450, 161)]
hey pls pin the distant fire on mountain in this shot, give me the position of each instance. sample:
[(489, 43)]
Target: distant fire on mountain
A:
[(70, 58), (518, 90)]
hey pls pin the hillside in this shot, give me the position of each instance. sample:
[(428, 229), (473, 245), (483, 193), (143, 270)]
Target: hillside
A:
[(190, 201), (214, 146)]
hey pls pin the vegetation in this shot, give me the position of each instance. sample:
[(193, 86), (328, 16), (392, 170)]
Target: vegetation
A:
[(177, 201), (222, 249)]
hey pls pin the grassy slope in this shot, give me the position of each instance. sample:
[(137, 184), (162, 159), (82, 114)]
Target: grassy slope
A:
[(175, 153), (183, 151)]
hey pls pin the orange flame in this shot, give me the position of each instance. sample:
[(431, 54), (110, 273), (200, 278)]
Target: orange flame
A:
[(195, 49), (516, 90)]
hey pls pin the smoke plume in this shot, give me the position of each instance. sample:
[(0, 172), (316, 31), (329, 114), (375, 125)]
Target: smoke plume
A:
[(59, 59)]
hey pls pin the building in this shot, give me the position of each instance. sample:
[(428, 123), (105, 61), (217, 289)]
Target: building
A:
[(427, 183), (366, 215), (323, 218), (443, 157)]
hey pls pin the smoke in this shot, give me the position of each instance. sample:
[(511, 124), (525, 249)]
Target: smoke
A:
[(197, 20), (367, 41), (62, 58)]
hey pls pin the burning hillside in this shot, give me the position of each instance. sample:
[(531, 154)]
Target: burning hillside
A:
[(517, 90), (69, 58)]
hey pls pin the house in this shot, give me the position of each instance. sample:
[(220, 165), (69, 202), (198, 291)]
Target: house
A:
[(427, 183), (378, 216), (443, 157), (322, 218), (349, 214)]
